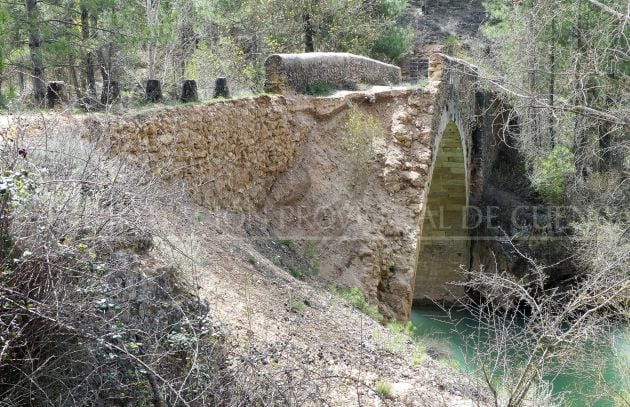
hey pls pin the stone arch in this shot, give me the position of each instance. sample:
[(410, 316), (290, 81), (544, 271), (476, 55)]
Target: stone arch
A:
[(444, 243)]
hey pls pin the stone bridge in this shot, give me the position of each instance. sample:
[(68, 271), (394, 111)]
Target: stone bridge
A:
[(395, 226)]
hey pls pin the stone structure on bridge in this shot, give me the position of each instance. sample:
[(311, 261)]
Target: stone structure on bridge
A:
[(295, 72)]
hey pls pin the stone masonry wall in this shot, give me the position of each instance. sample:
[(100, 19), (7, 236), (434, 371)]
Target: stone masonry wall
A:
[(227, 154), (444, 245)]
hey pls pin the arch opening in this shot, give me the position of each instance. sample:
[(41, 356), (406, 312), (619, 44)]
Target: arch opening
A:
[(444, 240)]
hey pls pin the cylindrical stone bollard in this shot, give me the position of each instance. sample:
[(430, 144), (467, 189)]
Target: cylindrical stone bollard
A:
[(110, 93), (189, 91), (55, 93), (221, 88), (153, 91)]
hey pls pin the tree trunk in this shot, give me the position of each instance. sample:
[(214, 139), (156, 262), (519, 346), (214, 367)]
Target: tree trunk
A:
[(152, 9), (531, 81), (187, 40), (103, 66), (309, 27), (21, 80), (75, 77), (611, 154), (89, 60), (34, 45), (605, 147), (309, 33), (111, 92), (579, 129), (552, 82)]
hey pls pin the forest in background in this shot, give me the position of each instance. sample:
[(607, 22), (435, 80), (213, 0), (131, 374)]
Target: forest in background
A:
[(87, 43), (565, 67)]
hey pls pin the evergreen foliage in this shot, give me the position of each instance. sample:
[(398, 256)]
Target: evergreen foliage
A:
[(87, 42)]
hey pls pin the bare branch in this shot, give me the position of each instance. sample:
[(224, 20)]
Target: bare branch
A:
[(608, 10)]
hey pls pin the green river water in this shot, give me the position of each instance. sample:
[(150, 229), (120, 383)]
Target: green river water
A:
[(434, 326)]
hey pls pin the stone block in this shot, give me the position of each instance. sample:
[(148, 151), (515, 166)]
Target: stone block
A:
[(153, 91)]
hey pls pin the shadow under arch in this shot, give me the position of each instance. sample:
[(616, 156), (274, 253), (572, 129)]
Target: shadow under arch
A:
[(444, 242)]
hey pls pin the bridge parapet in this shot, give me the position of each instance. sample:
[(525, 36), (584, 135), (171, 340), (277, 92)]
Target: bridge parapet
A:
[(295, 72)]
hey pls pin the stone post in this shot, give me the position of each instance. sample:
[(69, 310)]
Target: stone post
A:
[(110, 93), (221, 88), (55, 93), (189, 91), (153, 91)]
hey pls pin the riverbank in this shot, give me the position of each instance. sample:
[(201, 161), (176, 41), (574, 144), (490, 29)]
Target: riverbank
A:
[(600, 382)]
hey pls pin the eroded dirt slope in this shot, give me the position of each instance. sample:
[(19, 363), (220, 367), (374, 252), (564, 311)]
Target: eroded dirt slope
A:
[(298, 332)]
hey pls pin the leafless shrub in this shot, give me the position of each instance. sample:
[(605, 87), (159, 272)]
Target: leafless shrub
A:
[(528, 331), (85, 316)]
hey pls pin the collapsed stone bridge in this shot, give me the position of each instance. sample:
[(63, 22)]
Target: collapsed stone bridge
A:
[(394, 226)]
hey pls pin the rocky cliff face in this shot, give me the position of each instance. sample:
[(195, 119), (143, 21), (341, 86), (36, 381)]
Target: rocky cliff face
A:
[(363, 218)]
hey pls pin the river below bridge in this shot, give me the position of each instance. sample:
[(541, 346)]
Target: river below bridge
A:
[(445, 337)]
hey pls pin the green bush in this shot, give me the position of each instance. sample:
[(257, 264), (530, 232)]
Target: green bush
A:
[(401, 328), (419, 353), (384, 389), (296, 273), (360, 131), (296, 306), (320, 89), (393, 44), (8, 96), (392, 8), (402, 333), (312, 255), (548, 172), (276, 261), (355, 297), (452, 39)]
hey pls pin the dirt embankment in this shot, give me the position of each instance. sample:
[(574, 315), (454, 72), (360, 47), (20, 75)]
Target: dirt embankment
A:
[(308, 342)]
